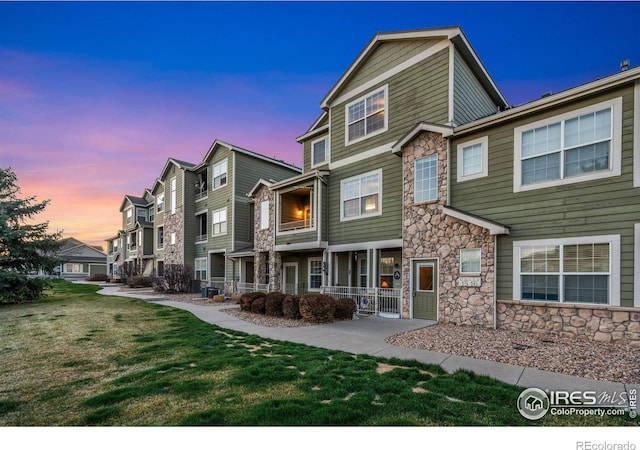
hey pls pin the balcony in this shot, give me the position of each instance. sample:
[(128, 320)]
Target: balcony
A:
[(297, 224), (295, 210)]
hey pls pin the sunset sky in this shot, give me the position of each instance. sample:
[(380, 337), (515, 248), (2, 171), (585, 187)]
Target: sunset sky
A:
[(94, 97)]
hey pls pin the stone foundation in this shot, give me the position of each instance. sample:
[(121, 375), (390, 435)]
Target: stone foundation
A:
[(595, 323)]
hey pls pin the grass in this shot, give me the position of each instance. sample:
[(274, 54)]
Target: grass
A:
[(118, 361)]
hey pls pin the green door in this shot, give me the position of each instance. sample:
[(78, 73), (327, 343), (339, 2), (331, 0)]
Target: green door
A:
[(425, 290)]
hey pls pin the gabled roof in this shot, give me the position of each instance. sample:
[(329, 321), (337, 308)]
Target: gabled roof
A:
[(493, 227), (321, 124), (72, 246), (135, 201), (244, 151), (300, 179), (453, 34), (261, 182), (172, 161), (444, 130)]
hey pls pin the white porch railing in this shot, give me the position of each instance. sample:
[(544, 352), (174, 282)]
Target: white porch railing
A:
[(379, 301), (296, 225), (243, 288)]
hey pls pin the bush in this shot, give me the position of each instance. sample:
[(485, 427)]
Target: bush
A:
[(98, 277), (317, 308), (291, 307), (273, 304), (258, 305), (247, 299), (345, 308), (18, 288), (139, 281), (177, 277)]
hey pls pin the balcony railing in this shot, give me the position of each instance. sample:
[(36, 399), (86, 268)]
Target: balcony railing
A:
[(296, 225), (380, 301), (201, 194), (201, 238)]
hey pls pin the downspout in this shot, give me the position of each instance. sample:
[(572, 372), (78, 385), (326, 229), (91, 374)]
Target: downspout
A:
[(495, 291)]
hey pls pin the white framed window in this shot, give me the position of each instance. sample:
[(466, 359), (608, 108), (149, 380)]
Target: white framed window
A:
[(219, 221), (160, 203), (173, 238), (361, 196), (173, 198), (151, 214), (140, 238), (315, 274), (141, 214), (73, 268), (366, 116), (426, 179), (470, 261), (160, 237), (129, 216), (473, 159), (571, 270), (320, 151), (200, 268), (219, 174), (264, 215), (581, 145)]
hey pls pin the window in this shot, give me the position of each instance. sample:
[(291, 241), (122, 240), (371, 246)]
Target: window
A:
[(366, 116), (386, 271), (141, 214), (578, 146), (220, 174), (426, 179), (173, 195), (470, 261), (201, 219), (473, 159), (576, 270), (201, 185), (315, 274), (264, 214), (173, 239), (200, 267), (319, 151), (220, 222), (139, 238), (160, 237), (362, 272), (160, 203), (73, 268), (361, 196), (129, 216), (151, 214)]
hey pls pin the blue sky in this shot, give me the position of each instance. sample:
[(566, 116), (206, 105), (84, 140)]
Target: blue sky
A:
[(94, 97)]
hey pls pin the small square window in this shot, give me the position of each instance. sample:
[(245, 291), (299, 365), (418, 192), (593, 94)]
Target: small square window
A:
[(470, 261)]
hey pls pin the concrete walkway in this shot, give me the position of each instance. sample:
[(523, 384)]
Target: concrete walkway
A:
[(367, 336)]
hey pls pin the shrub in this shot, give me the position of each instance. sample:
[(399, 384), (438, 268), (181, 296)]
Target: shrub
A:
[(291, 307), (345, 307), (16, 288), (98, 277), (177, 277), (247, 299), (138, 281), (317, 308), (273, 304), (258, 305)]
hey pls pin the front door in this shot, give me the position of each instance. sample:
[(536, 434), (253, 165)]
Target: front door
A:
[(425, 289), (290, 278)]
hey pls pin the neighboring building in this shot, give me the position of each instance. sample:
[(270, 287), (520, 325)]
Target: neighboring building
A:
[(197, 215), (425, 195), (80, 260)]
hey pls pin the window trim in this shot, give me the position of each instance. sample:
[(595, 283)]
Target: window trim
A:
[(614, 266), (309, 260), (484, 143), (129, 216), (213, 223), (173, 194), (360, 177), (206, 268), (385, 90), (467, 274), (327, 152), (159, 245), (159, 203), (415, 178), (213, 176), (615, 150), (264, 224)]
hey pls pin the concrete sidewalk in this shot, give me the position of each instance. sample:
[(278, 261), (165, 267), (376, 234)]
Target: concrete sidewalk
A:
[(367, 336)]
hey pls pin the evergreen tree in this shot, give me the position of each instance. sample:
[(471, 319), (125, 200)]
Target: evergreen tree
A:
[(25, 247)]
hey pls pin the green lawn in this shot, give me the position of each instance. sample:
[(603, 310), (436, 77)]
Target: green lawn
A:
[(79, 358)]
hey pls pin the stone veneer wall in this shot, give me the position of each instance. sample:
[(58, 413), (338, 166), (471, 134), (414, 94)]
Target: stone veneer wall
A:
[(265, 241), (596, 323), (173, 223), (429, 233)]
